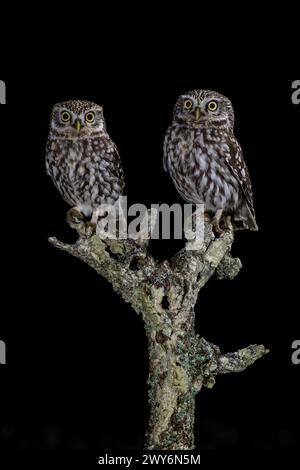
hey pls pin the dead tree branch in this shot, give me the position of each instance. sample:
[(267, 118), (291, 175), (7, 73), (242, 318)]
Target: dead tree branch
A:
[(165, 295)]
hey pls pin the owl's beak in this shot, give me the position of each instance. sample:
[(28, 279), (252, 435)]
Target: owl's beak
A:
[(77, 125), (197, 114)]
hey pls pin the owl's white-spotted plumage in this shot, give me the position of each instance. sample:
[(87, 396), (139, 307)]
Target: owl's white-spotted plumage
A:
[(205, 160), (81, 159)]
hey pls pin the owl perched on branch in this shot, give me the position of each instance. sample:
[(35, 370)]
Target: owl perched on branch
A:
[(81, 159), (205, 160)]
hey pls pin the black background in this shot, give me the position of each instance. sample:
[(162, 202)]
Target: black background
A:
[(76, 354)]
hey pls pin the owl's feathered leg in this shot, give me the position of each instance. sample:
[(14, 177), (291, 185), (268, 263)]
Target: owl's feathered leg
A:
[(228, 223), (216, 221), (95, 217), (92, 223)]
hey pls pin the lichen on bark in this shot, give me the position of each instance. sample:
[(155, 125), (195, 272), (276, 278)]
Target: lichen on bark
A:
[(165, 294)]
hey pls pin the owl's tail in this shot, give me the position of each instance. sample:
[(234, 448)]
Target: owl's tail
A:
[(251, 224), (246, 220)]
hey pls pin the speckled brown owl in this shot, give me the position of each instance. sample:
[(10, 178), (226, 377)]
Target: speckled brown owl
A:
[(81, 159), (205, 160)]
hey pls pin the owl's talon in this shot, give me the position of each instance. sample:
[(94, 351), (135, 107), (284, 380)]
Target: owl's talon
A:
[(216, 226), (207, 217), (74, 217), (90, 229)]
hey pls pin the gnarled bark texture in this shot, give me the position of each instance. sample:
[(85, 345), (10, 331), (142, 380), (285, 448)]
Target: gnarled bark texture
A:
[(165, 295)]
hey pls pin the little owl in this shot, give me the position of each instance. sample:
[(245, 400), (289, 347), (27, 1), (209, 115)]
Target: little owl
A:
[(205, 160), (81, 159)]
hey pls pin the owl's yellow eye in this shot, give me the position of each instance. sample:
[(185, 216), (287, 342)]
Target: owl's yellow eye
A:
[(188, 104), (65, 116), (90, 117), (212, 106)]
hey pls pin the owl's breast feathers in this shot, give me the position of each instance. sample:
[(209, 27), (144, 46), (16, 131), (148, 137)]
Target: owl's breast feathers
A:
[(207, 166), (87, 172)]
